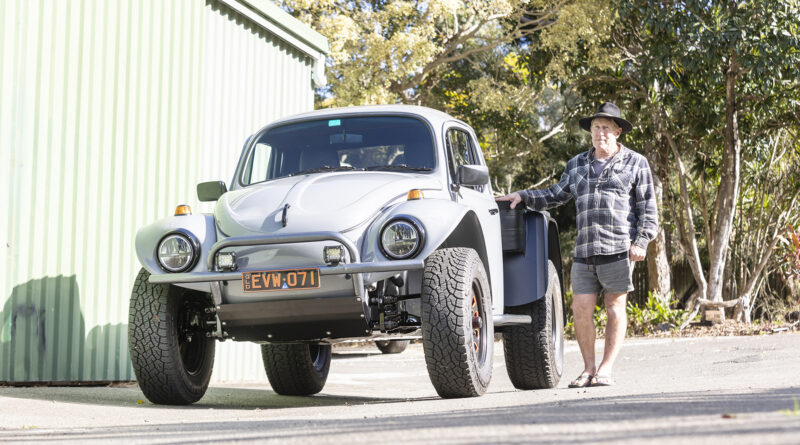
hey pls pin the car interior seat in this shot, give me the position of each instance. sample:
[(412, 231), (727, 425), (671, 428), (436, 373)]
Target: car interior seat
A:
[(418, 151), (318, 158)]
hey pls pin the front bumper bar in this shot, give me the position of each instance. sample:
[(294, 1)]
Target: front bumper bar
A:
[(204, 277), (356, 267)]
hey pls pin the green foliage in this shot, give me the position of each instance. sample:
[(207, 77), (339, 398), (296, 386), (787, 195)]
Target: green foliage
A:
[(641, 320), (569, 322), (393, 51), (788, 252), (646, 320)]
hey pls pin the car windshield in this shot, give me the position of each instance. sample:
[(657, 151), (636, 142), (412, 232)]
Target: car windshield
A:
[(390, 143)]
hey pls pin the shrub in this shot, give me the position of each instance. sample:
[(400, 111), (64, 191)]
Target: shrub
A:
[(645, 320), (641, 320)]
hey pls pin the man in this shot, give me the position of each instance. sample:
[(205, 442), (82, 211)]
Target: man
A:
[(616, 218)]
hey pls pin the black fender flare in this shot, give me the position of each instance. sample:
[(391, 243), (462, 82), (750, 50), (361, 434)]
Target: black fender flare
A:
[(525, 273), (468, 233)]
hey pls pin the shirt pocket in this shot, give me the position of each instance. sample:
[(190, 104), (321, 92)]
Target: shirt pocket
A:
[(579, 184), (620, 179)]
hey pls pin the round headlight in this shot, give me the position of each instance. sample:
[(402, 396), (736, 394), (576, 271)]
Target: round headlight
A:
[(176, 253), (401, 239)]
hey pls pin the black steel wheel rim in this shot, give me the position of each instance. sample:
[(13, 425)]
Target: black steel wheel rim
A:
[(191, 338)]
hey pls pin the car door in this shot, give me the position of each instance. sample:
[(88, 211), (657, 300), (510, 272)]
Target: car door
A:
[(463, 149)]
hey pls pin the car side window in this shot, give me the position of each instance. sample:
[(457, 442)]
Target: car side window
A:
[(458, 143), (463, 153)]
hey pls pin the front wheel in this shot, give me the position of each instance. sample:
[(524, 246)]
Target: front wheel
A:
[(457, 327), (170, 353), (535, 352), (296, 369)]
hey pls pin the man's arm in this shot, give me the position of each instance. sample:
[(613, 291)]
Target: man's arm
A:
[(645, 206), (552, 196)]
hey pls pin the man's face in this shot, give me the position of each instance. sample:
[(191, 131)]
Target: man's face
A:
[(604, 134)]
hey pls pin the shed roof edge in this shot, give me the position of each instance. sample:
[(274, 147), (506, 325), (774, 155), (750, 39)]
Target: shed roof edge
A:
[(280, 18), (294, 32)]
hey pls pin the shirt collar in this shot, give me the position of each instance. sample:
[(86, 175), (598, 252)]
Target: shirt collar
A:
[(623, 153)]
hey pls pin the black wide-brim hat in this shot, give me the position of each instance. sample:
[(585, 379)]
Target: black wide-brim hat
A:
[(608, 111)]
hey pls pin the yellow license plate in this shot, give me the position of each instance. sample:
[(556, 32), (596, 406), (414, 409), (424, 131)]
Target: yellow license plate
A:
[(285, 279)]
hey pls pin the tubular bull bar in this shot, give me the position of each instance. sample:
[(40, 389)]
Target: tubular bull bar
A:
[(355, 268)]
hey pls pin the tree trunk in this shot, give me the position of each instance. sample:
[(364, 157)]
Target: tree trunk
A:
[(686, 232), (728, 188), (791, 284), (658, 270), (684, 220)]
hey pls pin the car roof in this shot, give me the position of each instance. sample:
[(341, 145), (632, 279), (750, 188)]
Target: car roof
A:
[(435, 117)]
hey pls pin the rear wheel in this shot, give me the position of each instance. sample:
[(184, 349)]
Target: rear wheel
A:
[(392, 346), (296, 369), (535, 353), (171, 355), (457, 328)]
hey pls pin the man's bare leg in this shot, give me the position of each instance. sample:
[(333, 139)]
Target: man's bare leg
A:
[(615, 331), (583, 311)]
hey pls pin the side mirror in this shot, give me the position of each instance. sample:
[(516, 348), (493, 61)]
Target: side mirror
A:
[(473, 175), (210, 191)]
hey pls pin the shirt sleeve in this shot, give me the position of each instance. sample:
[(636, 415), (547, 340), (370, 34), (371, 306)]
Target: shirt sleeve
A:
[(553, 196), (645, 206)]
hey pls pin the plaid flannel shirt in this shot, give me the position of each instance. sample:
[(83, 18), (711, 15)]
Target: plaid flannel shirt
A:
[(614, 209)]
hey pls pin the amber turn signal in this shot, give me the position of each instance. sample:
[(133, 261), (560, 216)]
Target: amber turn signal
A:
[(414, 194), (183, 210)]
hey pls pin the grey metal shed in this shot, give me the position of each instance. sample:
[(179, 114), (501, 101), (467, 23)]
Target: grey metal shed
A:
[(110, 113)]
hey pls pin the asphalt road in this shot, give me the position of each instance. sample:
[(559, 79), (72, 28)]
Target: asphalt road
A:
[(712, 390)]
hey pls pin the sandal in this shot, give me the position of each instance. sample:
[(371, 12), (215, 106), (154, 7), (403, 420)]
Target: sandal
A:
[(602, 380), (582, 381)]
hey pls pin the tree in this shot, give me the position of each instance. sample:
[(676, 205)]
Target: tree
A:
[(392, 51), (702, 78), (729, 58), (767, 207)]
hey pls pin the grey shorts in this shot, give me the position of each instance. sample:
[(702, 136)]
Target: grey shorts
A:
[(614, 278)]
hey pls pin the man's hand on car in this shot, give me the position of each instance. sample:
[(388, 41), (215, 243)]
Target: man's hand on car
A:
[(515, 199)]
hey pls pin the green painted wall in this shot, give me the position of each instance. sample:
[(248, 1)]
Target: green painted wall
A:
[(110, 113)]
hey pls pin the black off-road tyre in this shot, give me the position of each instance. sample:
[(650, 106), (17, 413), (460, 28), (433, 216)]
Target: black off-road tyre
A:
[(535, 353), (296, 369), (392, 346), (457, 327), (171, 355)]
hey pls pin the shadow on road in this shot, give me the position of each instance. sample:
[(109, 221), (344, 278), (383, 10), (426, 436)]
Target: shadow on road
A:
[(351, 355), (599, 419), (217, 398)]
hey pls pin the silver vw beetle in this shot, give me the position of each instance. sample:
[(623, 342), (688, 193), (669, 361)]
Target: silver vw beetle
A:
[(373, 223)]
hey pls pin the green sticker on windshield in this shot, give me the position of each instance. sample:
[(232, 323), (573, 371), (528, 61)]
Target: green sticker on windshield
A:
[(334, 123)]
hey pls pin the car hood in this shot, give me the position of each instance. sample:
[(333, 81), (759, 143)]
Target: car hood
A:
[(335, 201)]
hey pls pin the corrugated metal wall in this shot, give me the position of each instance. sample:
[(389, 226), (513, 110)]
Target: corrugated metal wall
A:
[(110, 113)]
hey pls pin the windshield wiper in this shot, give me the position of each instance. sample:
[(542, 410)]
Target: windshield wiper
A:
[(399, 167), (324, 168)]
